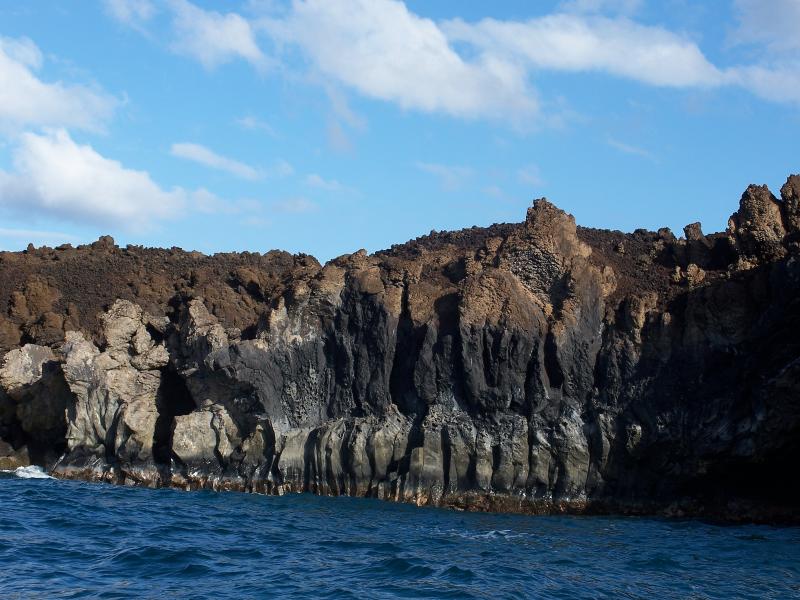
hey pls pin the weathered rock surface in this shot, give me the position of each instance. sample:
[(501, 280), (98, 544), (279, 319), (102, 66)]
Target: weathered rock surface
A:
[(532, 367), (33, 401), (114, 413)]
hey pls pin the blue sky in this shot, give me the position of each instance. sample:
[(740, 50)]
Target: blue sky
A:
[(325, 126)]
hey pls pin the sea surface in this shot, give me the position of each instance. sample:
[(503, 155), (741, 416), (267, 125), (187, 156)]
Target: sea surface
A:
[(65, 539)]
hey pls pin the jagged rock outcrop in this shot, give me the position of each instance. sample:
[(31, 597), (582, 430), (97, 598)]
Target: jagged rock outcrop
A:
[(114, 413), (33, 401), (532, 367)]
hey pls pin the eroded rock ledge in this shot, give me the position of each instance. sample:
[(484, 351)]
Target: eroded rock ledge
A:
[(535, 367)]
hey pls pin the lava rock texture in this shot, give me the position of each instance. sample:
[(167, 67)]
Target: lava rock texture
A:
[(536, 367)]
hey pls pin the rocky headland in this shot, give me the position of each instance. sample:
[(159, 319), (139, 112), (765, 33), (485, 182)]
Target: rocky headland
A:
[(536, 367)]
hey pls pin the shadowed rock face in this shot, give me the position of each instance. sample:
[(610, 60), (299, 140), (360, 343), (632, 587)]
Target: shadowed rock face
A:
[(533, 367)]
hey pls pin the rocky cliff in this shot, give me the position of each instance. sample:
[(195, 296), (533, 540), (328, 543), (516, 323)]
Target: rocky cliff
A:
[(533, 367)]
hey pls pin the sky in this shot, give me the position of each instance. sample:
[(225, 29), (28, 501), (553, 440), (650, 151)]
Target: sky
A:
[(327, 126)]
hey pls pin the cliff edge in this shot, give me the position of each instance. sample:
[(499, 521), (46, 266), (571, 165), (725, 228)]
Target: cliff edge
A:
[(535, 367)]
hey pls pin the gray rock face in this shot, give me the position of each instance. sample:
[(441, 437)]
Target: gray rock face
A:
[(114, 412), (33, 401), (537, 367)]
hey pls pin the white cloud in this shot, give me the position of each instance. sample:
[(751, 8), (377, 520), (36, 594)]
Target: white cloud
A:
[(213, 38), (55, 177), (26, 100), (254, 124), (484, 69), (386, 52), (209, 158), (130, 12), (450, 177), (771, 27), (565, 42), (775, 82)]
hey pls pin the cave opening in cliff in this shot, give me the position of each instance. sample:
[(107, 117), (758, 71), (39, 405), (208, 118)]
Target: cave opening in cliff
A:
[(763, 482), (173, 400)]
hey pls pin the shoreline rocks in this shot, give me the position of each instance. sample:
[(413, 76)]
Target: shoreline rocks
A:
[(538, 368)]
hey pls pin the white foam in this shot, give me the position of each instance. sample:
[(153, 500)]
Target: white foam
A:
[(31, 472)]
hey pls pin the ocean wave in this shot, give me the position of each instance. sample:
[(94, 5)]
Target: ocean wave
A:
[(113, 541), (30, 472)]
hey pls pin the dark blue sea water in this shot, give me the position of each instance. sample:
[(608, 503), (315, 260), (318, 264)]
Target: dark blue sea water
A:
[(61, 539)]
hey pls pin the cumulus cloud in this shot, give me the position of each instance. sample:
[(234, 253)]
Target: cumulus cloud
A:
[(55, 177), (384, 51), (209, 158), (486, 69), (620, 47), (26, 100), (214, 38)]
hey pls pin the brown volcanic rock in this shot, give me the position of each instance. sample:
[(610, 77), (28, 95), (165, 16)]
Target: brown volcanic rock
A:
[(49, 291), (757, 227), (534, 367)]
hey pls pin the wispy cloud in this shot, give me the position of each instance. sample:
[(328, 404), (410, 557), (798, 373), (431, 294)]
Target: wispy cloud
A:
[(207, 157), (255, 124), (770, 29), (577, 43), (133, 13), (630, 149), (625, 7), (772, 23), (337, 137), (383, 50), (450, 177)]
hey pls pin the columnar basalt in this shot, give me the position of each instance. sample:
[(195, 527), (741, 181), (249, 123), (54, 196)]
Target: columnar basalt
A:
[(534, 367)]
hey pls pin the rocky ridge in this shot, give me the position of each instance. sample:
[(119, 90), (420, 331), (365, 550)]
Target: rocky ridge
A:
[(535, 367)]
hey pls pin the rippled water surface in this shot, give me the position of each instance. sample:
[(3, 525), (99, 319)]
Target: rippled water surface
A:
[(62, 539)]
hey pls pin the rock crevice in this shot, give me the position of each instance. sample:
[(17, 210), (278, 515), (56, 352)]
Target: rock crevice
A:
[(536, 367)]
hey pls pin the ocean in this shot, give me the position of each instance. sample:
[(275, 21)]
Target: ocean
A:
[(67, 539)]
